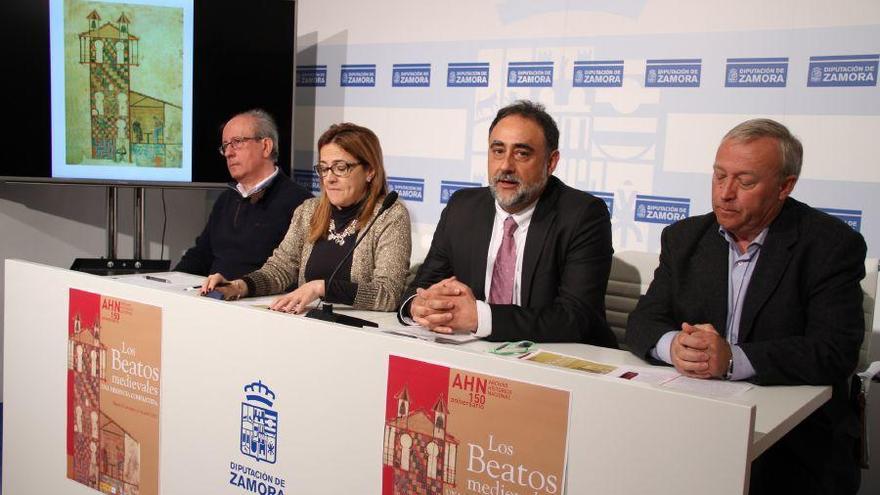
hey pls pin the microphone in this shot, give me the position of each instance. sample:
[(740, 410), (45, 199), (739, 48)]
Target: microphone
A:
[(326, 312)]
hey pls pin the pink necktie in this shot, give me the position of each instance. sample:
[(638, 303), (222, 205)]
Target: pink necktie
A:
[(505, 267)]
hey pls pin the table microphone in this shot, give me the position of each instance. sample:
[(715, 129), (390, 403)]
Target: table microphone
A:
[(326, 312)]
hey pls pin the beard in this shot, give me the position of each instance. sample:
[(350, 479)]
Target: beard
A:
[(524, 194)]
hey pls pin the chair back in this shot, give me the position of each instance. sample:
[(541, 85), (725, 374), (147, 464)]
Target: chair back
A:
[(869, 302), (631, 274)]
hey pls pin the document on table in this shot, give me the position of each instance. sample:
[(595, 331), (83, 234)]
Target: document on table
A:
[(423, 333), (715, 388), (663, 376), (655, 376)]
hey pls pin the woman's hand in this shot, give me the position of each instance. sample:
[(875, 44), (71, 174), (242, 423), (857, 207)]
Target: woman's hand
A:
[(230, 290), (299, 300)]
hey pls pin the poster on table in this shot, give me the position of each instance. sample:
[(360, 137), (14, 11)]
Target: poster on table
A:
[(455, 432), (113, 377)]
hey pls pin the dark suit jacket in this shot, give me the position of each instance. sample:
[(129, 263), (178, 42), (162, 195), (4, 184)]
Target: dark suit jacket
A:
[(802, 323), (565, 266)]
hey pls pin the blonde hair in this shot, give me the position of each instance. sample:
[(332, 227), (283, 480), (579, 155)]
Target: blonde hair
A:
[(363, 145)]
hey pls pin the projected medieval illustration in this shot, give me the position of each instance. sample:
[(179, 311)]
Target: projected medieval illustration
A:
[(123, 84)]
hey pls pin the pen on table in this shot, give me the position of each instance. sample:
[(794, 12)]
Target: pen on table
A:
[(195, 287), (157, 279), (402, 334)]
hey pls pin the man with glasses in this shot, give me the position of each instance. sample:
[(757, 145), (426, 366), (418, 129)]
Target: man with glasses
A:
[(250, 218), (525, 258)]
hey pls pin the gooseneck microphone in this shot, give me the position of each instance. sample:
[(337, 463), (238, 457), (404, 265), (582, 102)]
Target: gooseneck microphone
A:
[(326, 312)]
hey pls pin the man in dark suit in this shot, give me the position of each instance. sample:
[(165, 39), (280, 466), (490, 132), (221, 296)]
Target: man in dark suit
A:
[(525, 258), (764, 289)]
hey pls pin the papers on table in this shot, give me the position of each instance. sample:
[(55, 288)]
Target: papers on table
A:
[(174, 281), (422, 333), (644, 374), (662, 376), (716, 388), (656, 376)]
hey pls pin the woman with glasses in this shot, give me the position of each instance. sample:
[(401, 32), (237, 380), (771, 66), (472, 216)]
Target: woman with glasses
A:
[(324, 229)]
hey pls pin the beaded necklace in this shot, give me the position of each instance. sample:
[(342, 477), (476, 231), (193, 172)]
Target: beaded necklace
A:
[(339, 237)]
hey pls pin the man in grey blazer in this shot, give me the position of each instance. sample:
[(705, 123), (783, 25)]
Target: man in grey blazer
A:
[(525, 258), (764, 289)]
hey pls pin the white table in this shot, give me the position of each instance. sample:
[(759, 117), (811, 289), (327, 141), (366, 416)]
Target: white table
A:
[(778, 409), (624, 437)]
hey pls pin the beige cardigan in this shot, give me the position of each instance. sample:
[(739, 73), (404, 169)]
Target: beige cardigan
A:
[(379, 265)]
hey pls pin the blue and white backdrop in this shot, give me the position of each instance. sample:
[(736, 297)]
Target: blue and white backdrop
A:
[(642, 91)]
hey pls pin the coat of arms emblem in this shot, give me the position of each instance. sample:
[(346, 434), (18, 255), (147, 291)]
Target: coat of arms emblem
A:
[(259, 423)]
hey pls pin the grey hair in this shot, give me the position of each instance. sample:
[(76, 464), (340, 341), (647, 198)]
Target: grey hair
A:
[(791, 150), (264, 127)]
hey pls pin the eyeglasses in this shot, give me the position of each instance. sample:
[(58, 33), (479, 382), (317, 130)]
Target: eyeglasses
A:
[(237, 143), (513, 348), (340, 168)]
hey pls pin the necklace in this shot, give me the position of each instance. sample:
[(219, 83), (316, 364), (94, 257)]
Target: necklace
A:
[(339, 237)]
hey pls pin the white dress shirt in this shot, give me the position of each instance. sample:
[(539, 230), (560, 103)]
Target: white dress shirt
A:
[(522, 219), (484, 311), (257, 188)]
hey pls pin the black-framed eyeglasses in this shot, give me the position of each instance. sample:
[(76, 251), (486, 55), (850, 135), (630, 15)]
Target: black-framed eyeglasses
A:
[(340, 168), (237, 143)]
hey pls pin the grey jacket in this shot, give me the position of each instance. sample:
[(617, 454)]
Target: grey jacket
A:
[(379, 265)]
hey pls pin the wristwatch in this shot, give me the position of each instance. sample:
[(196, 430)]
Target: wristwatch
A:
[(729, 374)]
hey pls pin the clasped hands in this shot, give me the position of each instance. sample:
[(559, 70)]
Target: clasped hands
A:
[(296, 301), (447, 307), (699, 351)]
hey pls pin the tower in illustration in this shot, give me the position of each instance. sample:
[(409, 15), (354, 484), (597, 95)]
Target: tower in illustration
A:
[(85, 360), (110, 51), (418, 448), (105, 457)]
